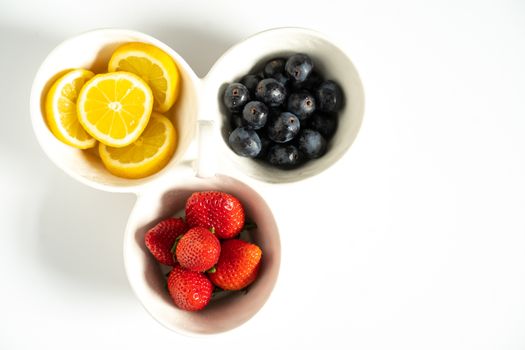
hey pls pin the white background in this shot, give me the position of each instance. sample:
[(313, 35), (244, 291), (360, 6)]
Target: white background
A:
[(414, 240)]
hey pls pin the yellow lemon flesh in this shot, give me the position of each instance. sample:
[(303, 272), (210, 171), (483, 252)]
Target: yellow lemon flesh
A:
[(115, 108), (61, 109), (155, 66), (147, 155)]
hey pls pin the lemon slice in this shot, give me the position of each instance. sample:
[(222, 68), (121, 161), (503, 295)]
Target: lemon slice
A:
[(115, 108), (147, 155), (61, 109), (155, 66)]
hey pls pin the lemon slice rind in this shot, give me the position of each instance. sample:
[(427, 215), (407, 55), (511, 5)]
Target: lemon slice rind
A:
[(157, 57), (74, 135), (111, 157)]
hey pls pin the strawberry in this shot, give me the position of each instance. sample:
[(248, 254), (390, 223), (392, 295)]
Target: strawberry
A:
[(198, 250), (189, 290), (218, 211), (238, 265), (161, 237)]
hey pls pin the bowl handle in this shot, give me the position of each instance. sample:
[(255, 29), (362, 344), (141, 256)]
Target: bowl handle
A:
[(206, 156)]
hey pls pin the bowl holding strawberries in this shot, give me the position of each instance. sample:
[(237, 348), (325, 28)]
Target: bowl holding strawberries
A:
[(204, 256)]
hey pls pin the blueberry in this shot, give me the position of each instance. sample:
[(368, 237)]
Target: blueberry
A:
[(326, 124), (266, 143), (284, 127), (329, 97), (281, 78), (271, 92), (273, 66), (311, 143), (236, 120), (283, 156), (298, 67), (250, 81), (275, 69), (255, 114), (235, 96), (245, 142), (302, 104), (311, 83)]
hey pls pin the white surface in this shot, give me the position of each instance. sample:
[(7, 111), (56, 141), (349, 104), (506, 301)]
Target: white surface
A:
[(425, 249)]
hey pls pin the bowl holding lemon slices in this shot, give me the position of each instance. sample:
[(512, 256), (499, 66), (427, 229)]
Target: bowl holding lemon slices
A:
[(113, 108)]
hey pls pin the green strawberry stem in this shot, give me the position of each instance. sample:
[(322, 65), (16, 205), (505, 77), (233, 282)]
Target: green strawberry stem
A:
[(212, 270), (174, 247)]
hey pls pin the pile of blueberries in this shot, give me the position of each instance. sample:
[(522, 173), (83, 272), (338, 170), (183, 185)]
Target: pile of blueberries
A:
[(284, 114)]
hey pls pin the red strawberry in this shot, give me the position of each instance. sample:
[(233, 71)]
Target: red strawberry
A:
[(189, 290), (160, 239), (198, 250), (238, 265), (215, 210)]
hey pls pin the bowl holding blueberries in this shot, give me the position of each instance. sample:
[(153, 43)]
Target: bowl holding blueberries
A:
[(290, 104)]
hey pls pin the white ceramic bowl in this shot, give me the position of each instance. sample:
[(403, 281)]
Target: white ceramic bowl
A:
[(200, 99), (331, 62), (163, 194), (148, 281), (92, 50)]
